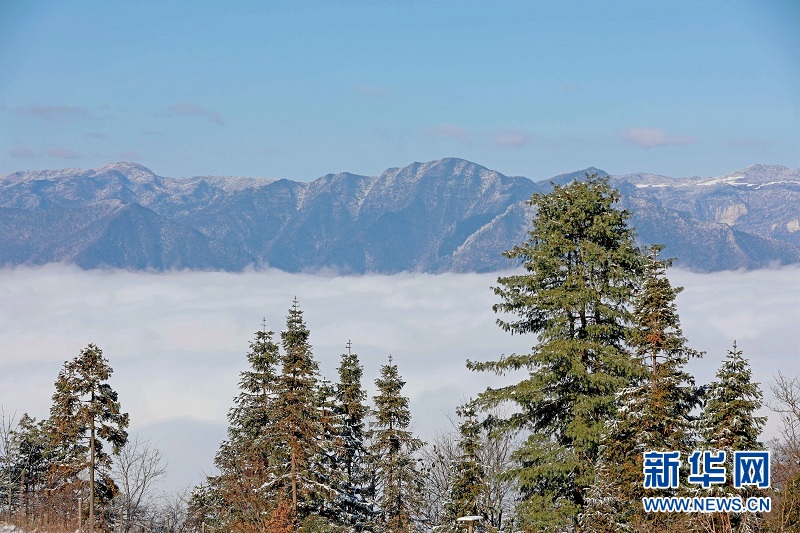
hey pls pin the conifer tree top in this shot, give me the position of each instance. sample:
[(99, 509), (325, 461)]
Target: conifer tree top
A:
[(729, 420), (582, 271)]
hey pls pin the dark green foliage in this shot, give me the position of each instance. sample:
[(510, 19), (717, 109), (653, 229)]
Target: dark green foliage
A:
[(393, 447), (729, 421), (654, 413), (355, 492), (326, 468), (582, 270), (252, 415), (468, 489), (25, 463), (203, 508)]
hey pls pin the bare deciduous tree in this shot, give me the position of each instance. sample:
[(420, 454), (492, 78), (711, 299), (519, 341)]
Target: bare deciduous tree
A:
[(438, 459), (786, 454), (501, 491), (138, 468), (173, 512), (786, 392)]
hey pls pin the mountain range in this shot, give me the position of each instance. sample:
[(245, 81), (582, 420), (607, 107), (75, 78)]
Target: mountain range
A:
[(439, 216)]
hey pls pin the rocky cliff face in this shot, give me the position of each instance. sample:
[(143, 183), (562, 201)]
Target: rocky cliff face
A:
[(447, 215)]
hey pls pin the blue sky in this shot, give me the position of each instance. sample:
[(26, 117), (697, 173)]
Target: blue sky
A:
[(300, 89)]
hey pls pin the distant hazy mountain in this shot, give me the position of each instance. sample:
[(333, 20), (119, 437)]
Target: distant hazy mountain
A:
[(448, 215)]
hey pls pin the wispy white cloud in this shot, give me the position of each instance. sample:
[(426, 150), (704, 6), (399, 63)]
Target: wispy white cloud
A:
[(54, 112), (654, 137), (190, 109)]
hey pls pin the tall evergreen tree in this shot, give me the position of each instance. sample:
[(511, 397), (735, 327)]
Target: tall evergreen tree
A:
[(326, 464), (582, 271), (246, 458), (85, 413), (31, 444), (729, 423), (660, 409), (355, 490), (655, 413), (393, 447), (468, 488), (253, 411), (298, 422)]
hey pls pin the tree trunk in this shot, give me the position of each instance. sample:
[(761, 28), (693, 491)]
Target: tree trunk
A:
[(91, 474)]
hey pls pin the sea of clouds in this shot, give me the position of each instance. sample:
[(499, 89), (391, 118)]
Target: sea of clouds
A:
[(177, 340)]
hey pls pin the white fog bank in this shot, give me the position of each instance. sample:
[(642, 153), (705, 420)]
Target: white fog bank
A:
[(177, 341)]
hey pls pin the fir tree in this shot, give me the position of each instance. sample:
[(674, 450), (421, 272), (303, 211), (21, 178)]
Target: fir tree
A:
[(355, 491), (468, 479), (204, 508), (251, 417), (246, 458), (659, 410), (326, 465), (85, 413), (31, 443), (298, 423), (728, 423), (582, 271), (393, 448), (654, 414)]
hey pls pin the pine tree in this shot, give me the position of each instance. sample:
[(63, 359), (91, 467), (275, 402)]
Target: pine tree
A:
[(728, 423), (468, 478), (355, 491), (665, 403), (31, 443), (298, 425), (204, 508), (655, 413), (582, 271), (85, 413), (393, 448), (246, 457), (280, 456), (326, 465), (251, 417)]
